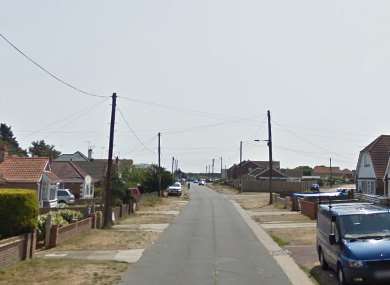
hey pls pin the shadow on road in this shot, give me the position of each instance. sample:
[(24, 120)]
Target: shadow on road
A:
[(323, 277)]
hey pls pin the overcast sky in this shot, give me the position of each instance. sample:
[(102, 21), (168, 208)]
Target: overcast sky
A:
[(321, 67)]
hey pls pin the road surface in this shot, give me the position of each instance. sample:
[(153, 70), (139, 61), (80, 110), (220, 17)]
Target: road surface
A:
[(208, 244)]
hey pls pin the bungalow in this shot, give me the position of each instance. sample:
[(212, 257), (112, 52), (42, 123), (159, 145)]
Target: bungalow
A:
[(78, 181), (263, 174), (30, 173), (245, 167), (372, 171)]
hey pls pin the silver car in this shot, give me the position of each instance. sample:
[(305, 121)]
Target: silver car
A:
[(64, 196)]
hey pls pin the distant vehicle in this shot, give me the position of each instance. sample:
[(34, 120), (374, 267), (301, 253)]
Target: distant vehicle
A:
[(315, 187), (64, 196), (196, 181), (354, 240), (202, 182), (175, 189)]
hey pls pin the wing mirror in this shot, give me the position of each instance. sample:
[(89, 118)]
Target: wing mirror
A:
[(332, 239)]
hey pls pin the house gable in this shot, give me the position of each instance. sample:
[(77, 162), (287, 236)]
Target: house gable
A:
[(365, 168)]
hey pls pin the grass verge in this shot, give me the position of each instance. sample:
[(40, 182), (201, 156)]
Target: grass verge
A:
[(109, 240), (62, 272), (281, 242)]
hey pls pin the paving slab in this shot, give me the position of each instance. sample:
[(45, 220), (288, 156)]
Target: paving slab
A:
[(272, 213), (129, 256), (175, 213), (141, 227), (288, 225)]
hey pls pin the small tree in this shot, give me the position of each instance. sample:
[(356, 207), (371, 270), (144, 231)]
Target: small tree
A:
[(7, 137), (150, 182), (40, 148)]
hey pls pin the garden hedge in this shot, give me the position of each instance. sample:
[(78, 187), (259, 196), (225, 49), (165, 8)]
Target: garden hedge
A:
[(18, 211)]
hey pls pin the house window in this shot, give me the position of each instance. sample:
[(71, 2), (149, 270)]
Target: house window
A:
[(53, 192), (45, 190), (366, 162)]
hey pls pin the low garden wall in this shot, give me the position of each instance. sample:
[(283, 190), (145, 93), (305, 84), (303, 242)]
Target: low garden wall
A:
[(60, 234), (17, 248)]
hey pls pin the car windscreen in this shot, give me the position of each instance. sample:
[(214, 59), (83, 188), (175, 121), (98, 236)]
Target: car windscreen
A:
[(62, 193), (177, 185), (365, 225)]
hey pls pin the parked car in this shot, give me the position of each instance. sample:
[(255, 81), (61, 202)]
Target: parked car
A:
[(175, 189), (354, 240), (315, 187), (202, 182), (64, 196)]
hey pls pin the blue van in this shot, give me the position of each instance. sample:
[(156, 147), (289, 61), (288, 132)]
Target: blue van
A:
[(354, 240)]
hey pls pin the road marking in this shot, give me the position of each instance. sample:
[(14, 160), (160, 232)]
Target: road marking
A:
[(288, 265)]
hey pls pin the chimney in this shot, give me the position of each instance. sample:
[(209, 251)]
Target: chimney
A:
[(3, 152), (89, 153)]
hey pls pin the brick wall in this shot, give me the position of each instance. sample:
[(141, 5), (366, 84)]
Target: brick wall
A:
[(60, 234), (309, 208), (15, 249)]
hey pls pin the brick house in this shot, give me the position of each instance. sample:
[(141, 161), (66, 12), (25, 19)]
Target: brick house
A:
[(263, 174), (245, 167), (30, 173), (372, 171), (74, 178)]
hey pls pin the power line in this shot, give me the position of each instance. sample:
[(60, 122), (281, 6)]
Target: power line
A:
[(170, 132), (306, 140), (133, 132), (51, 74), (68, 119)]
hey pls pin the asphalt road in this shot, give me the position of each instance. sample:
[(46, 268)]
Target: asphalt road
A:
[(208, 244)]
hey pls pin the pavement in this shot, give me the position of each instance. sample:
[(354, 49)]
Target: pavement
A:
[(159, 228), (129, 256), (287, 225), (211, 243)]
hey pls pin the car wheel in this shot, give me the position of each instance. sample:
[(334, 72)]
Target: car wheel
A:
[(323, 263), (340, 276)]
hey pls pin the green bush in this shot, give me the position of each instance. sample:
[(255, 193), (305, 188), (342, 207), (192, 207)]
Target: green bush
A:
[(18, 211), (56, 219), (70, 215)]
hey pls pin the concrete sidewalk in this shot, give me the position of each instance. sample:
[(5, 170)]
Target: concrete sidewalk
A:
[(129, 256)]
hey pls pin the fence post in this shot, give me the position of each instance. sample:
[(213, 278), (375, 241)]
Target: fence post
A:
[(53, 236), (33, 243), (48, 224)]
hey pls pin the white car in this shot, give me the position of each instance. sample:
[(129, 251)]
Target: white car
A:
[(175, 189), (65, 197), (202, 182)]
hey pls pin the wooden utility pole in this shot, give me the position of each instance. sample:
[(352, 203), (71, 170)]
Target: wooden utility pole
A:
[(330, 172), (240, 152), (213, 161), (159, 164), (270, 156), (108, 190), (173, 173), (221, 167)]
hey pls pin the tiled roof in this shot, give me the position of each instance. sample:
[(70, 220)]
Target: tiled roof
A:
[(23, 169), (68, 172), (96, 168), (379, 151)]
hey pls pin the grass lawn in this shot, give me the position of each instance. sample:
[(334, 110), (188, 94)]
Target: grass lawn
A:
[(250, 201), (109, 240), (62, 272), (298, 236), (288, 218)]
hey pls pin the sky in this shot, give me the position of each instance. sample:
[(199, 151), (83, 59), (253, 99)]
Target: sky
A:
[(203, 73)]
